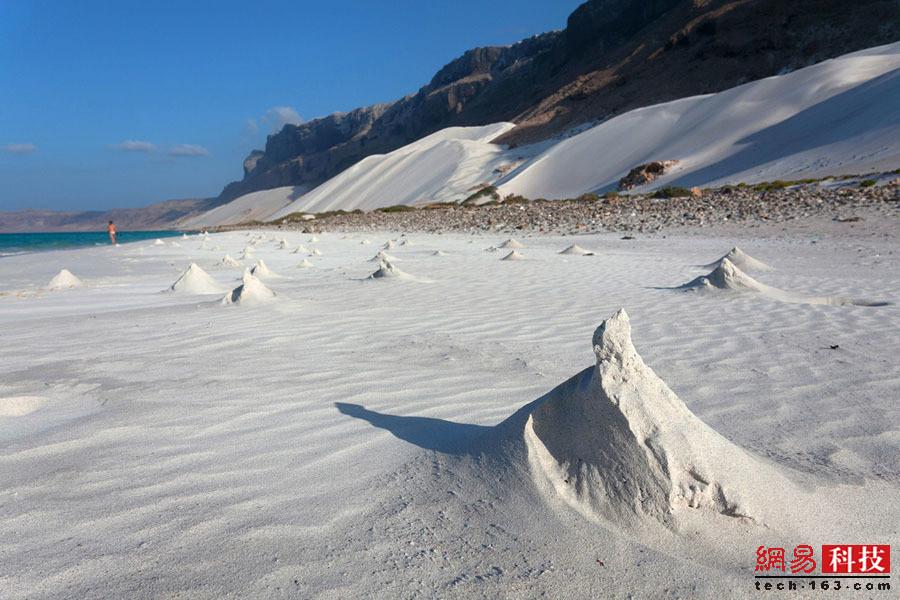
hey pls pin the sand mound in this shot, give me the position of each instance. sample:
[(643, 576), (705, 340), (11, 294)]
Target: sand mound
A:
[(388, 245), (159, 242), (406, 242), (386, 269), (261, 270), (301, 249), (283, 244), (615, 442), (19, 406), (305, 264), (383, 256), (251, 291), (511, 243), (195, 280), (227, 261), (727, 276), (514, 255), (315, 252), (64, 280), (576, 250), (439, 253), (313, 240), (365, 242), (740, 259)]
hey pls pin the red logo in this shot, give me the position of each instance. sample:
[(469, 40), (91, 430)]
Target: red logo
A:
[(856, 559)]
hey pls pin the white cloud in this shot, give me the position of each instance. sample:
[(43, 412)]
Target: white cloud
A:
[(188, 150), (136, 146), (19, 148), (279, 116), (250, 127)]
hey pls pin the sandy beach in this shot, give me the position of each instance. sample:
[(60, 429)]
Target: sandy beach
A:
[(407, 436)]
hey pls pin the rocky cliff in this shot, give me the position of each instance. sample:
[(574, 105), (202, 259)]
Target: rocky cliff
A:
[(613, 56)]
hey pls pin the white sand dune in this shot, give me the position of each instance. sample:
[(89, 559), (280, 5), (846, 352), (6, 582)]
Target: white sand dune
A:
[(301, 249), (227, 261), (64, 280), (514, 255), (727, 276), (382, 256), (256, 206), (387, 270), (305, 264), (740, 259), (442, 166), (251, 291), (512, 243), (439, 253), (315, 252), (261, 270), (195, 280), (839, 116), (159, 242), (576, 250), (617, 444)]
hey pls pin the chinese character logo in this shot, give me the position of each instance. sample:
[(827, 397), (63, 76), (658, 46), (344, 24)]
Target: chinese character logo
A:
[(768, 559), (856, 559)]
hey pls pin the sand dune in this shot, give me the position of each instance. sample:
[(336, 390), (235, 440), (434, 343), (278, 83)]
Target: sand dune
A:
[(251, 291), (64, 280), (387, 270), (727, 276), (576, 250), (514, 255), (261, 270), (195, 280), (740, 259), (227, 261), (616, 443)]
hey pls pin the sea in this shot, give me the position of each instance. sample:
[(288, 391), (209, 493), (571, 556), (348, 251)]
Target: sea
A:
[(12, 244)]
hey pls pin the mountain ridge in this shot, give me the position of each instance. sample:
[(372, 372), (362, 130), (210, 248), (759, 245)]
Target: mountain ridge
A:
[(612, 56)]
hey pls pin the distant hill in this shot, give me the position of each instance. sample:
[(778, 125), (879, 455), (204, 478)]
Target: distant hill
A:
[(613, 56), (162, 215)]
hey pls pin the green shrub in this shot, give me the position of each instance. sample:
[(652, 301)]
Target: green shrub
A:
[(672, 191), (589, 197), (867, 183), (487, 191), (396, 208)]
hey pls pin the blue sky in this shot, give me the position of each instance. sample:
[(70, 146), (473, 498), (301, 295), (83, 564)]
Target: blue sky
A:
[(123, 103)]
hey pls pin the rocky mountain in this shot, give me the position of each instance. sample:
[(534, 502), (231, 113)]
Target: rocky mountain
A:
[(613, 56)]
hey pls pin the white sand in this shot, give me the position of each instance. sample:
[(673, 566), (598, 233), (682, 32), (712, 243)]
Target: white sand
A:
[(227, 261), (342, 441), (261, 270), (195, 280), (64, 280), (251, 291), (576, 250), (514, 255)]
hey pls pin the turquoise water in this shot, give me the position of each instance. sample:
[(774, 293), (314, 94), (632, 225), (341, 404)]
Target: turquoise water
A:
[(20, 243)]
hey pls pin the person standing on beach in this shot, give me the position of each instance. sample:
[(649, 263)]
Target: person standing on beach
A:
[(111, 229)]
